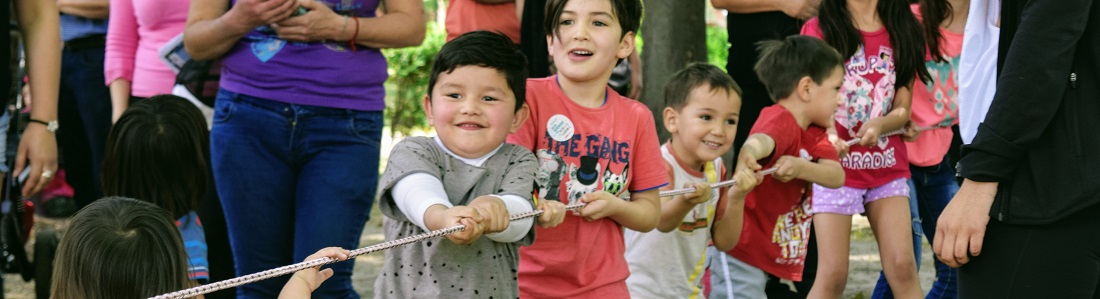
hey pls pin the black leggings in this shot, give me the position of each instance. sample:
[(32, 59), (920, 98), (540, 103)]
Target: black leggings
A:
[(1057, 260)]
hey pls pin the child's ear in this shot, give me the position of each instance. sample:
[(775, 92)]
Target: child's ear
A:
[(670, 119), (803, 88), (626, 45), (550, 45), (428, 109), (520, 118)]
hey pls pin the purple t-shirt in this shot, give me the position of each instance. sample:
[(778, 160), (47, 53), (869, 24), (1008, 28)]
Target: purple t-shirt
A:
[(326, 74)]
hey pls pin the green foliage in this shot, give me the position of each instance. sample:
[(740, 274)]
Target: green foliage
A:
[(718, 46), (409, 69)]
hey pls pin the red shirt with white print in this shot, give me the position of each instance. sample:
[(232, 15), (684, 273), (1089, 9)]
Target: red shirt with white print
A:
[(868, 92), (777, 216), (582, 150)]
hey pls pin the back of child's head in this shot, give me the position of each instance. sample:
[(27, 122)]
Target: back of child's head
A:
[(906, 35), (694, 75), (157, 152), (628, 12), (785, 62), (484, 49), (119, 248)]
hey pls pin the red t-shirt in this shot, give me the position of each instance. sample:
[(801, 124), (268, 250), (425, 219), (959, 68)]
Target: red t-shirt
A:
[(868, 92), (777, 215), (469, 15), (582, 150)]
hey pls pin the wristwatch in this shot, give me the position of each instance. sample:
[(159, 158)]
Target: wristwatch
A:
[(51, 126)]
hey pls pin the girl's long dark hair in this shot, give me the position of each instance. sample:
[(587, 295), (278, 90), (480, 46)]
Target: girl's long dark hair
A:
[(934, 12), (905, 35)]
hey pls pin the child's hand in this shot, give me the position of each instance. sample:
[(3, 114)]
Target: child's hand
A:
[(746, 161), (466, 216), (840, 145), (868, 134), (494, 213), (911, 132), (788, 168), (599, 204), (553, 213), (746, 181), (307, 280), (701, 194)]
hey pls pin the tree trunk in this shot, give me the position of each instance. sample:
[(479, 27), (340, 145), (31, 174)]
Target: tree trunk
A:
[(674, 35)]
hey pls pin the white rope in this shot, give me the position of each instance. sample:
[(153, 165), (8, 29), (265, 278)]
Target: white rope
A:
[(895, 132)]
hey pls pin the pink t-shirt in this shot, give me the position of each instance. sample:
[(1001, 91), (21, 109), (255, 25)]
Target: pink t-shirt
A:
[(469, 15), (936, 105), (776, 229), (582, 150), (868, 92), (136, 31)]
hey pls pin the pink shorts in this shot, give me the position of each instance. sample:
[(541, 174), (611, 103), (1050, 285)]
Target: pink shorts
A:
[(850, 201)]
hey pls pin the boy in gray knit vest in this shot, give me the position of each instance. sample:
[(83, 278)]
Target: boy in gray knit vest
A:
[(465, 175)]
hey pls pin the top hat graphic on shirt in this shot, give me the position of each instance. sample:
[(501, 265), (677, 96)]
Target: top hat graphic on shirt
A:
[(588, 173)]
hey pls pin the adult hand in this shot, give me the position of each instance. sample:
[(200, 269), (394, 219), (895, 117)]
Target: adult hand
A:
[(960, 230), (801, 9), (39, 147), (255, 13), (320, 23)]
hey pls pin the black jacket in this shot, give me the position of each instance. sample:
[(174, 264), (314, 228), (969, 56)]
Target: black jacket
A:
[(1041, 137)]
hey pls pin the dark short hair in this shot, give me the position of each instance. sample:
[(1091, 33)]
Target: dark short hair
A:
[(784, 62), (629, 13), (484, 49), (120, 248), (694, 75), (158, 152)]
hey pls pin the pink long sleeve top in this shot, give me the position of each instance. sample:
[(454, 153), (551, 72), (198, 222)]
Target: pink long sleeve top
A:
[(136, 31)]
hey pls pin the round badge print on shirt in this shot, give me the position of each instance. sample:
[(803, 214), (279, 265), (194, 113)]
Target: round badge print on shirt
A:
[(560, 128)]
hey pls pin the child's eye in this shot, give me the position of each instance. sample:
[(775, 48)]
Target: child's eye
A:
[(731, 122), (488, 99), (599, 24), (566, 22), (705, 117), (454, 96)]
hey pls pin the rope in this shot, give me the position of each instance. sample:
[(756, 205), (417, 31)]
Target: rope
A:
[(280, 271), (895, 132)]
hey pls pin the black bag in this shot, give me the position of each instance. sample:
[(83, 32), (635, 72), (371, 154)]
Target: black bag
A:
[(200, 77)]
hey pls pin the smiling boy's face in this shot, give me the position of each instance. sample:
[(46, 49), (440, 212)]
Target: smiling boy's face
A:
[(589, 41), (473, 110)]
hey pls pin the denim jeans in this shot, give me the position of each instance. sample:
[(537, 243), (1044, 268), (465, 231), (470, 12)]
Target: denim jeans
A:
[(932, 188), (293, 179), (84, 112)]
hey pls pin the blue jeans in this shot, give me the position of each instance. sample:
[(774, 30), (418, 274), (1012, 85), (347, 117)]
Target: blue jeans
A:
[(932, 188), (293, 179), (84, 112)]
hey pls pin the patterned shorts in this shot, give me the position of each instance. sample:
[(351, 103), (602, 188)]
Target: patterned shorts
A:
[(850, 201)]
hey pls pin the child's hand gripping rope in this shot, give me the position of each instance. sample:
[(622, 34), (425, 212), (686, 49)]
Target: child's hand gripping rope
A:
[(555, 207)]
